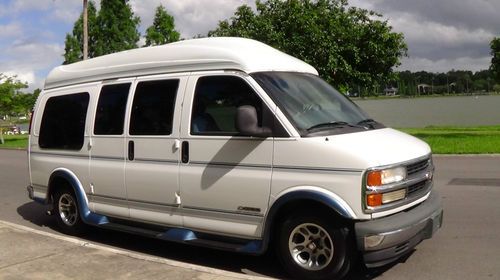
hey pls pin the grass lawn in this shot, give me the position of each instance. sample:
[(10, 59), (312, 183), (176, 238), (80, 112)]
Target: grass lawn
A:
[(443, 140), (460, 140), (15, 141)]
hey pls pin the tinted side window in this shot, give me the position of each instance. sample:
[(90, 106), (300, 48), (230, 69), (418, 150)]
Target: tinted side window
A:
[(63, 122), (215, 102), (110, 112), (153, 108)]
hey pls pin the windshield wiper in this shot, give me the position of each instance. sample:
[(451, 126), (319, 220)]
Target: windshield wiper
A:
[(333, 124), (367, 122)]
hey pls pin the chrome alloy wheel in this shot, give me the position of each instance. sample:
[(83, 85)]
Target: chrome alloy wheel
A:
[(67, 209), (311, 246)]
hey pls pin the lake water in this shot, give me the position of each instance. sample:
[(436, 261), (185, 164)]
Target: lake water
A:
[(438, 111)]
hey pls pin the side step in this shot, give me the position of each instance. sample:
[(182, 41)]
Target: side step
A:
[(186, 236)]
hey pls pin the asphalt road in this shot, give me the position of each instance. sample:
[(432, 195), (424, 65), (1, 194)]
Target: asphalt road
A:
[(467, 247)]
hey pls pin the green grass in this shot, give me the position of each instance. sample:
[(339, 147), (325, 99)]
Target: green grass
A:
[(15, 141), (443, 140), (459, 140)]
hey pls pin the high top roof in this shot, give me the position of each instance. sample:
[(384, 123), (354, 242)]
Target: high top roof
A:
[(190, 55)]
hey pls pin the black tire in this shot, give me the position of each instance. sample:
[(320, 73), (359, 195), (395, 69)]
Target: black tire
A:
[(67, 212), (313, 259)]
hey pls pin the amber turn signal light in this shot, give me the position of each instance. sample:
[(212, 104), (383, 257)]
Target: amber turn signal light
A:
[(374, 199), (374, 178)]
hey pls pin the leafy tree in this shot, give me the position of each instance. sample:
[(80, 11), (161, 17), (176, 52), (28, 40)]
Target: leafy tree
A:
[(74, 41), (24, 102), (163, 29), (350, 47), (495, 60), (496, 88), (9, 88), (117, 27), (112, 29)]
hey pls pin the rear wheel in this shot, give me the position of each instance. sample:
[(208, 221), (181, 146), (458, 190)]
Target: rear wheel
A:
[(312, 247), (67, 214)]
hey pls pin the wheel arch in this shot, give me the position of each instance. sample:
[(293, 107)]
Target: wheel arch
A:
[(74, 183), (305, 198)]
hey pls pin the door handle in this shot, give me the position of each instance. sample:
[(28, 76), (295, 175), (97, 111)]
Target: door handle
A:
[(130, 150), (185, 152)]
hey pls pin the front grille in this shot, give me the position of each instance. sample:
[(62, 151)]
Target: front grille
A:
[(417, 167), (416, 188)]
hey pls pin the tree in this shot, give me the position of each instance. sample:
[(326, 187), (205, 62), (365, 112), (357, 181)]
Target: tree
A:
[(112, 29), (163, 29), (350, 47), (9, 88), (117, 27), (24, 102), (74, 41), (495, 60)]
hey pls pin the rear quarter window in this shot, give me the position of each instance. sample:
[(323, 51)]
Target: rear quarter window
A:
[(63, 122)]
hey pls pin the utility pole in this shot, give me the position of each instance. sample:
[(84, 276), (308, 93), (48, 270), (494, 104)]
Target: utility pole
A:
[(447, 84), (85, 31), (432, 87)]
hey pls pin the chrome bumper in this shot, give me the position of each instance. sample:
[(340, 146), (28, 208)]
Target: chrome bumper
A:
[(386, 239)]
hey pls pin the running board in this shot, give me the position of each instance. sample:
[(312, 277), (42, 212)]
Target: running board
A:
[(190, 237)]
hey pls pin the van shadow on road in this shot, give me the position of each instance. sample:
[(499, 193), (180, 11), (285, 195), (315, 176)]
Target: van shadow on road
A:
[(266, 265)]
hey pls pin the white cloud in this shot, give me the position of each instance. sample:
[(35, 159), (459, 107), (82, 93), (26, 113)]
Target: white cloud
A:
[(192, 17), (23, 5), (434, 40), (444, 65), (429, 32), (10, 30), (68, 13), (465, 14), (30, 61), (59, 10), (441, 35), (34, 55), (25, 77)]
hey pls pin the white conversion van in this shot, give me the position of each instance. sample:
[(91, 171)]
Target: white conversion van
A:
[(231, 144)]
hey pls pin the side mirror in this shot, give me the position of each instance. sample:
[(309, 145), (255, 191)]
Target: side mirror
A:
[(247, 122)]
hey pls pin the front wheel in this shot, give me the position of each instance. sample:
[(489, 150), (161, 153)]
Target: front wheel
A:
[(67, 214), (312, 247)]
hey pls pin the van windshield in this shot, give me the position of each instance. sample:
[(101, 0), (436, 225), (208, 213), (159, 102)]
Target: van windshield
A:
[(312, 105)]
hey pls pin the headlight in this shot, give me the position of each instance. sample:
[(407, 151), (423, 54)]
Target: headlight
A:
[(387, 176)]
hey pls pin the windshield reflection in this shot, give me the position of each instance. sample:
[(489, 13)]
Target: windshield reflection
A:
[(311, 104)]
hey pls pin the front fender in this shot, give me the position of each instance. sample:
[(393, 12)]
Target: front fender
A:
[(315, 194)]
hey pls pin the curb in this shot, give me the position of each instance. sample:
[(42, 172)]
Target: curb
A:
[(466, 155), (143, 257)]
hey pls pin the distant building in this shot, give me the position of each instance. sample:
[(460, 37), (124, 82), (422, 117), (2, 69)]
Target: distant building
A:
[(424, 88), (392, 91)]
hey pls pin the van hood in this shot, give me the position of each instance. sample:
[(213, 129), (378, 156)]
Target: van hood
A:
[(355, 151), (380, 147)]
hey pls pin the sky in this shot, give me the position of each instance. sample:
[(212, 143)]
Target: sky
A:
[(441, 34)]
